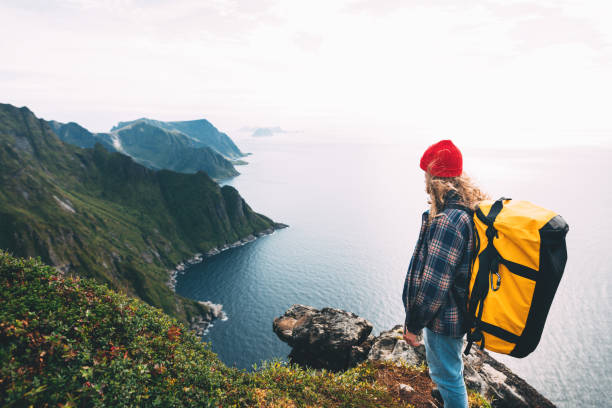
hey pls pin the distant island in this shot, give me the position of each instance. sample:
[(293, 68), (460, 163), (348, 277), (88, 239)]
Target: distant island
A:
[(264, 131)]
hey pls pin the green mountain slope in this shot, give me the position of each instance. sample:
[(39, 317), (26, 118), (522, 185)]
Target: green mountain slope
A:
[(99, 214), (159, 148), (77, 135), (201, 131), (152, 146)]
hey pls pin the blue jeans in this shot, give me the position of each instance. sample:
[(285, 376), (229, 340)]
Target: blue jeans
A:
[(446, 367)]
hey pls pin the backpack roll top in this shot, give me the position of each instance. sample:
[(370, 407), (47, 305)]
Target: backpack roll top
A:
[(517, 268)]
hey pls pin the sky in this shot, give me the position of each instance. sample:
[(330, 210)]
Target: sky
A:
[(530, 73)]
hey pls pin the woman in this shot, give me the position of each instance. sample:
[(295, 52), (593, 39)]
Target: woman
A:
[(435, 290)]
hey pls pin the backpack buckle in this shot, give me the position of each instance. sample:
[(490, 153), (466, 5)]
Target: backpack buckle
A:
[(495, 270), (497, 284), (474, 336)]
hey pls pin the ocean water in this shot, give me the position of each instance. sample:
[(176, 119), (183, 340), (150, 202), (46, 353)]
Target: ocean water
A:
[(354, 212)]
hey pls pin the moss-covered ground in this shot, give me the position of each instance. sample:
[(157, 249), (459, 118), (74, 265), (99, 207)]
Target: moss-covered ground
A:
[(72, 342)]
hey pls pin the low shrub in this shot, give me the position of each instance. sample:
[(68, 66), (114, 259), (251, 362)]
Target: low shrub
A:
[(71, 342)]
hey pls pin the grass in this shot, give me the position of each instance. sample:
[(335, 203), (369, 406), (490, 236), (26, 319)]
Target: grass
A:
[(72, 342), (476, 400)]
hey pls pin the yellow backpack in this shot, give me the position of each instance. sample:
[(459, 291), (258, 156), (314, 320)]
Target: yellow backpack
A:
[(518, 264)]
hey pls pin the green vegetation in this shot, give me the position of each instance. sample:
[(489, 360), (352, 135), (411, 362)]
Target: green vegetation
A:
[(200, 131), (152, 146), (477, 401), (73, 342), (68, 342), (77, 135), (99, 214), (159, 148)]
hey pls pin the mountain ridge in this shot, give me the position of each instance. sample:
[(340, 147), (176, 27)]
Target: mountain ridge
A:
[(100, 214), (201, 131), (152, 146)]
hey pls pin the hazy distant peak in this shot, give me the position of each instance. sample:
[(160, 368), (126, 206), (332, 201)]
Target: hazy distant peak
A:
[(55, 123), (199, 131), (130, 123), (146, 124), (163, 124), (203, 121), (73, 125), (267, 131)]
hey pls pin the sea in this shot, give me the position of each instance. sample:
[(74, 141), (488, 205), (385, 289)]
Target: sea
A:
[(354, 210)]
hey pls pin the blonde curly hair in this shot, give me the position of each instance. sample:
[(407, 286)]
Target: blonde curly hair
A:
[(437, 187)]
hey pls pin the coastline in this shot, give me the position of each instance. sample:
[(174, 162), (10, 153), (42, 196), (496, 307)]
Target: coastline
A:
[(215, 311)]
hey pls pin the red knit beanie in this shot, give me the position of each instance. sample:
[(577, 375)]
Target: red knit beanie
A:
[(442, 159)]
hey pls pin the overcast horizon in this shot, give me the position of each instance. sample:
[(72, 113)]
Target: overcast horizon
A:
[(477, 72)]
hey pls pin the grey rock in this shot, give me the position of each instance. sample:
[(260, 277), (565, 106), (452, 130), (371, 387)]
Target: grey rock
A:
[(495, 381), (283, 326), (328, 338), (405, 390), (481, 372), (389, 346), (360, 352), (335, 339), (332, 329)]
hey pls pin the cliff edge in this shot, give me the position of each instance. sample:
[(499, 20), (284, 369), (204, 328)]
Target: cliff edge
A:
[(68, 341), (337, 340)]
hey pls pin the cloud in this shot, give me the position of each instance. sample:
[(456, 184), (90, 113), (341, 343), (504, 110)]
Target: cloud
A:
[(384, 7), (443, 67), (160, 18), (531, 25), (554, 29), (307, 41)]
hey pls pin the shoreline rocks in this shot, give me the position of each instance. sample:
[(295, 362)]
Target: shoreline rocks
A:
[(199, 257), (335, 339), (201, 324)]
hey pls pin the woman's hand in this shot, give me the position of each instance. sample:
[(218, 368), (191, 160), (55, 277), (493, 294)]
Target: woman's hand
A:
[(411, 338)]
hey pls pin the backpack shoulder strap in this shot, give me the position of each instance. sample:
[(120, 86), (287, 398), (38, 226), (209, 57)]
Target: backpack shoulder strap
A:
[(460, 207), (489, 262), (496, 208)]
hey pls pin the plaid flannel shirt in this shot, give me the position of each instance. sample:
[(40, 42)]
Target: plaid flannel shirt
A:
[(435, 290)]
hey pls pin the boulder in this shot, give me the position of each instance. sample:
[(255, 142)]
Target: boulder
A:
[(481, 372), (405, 390), (328, 338), (495, 381), (283, 325), (336, 340), (389, 346)]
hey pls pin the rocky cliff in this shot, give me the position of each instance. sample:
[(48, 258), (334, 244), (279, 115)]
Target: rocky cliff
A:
[(338, 340), (99, 214), (200, 131), (153, 146)]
